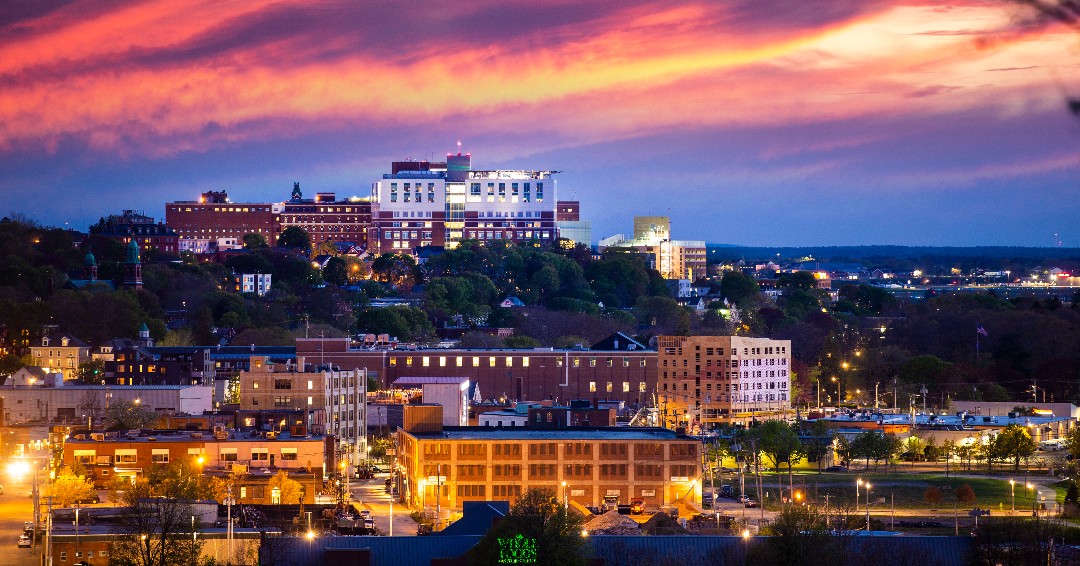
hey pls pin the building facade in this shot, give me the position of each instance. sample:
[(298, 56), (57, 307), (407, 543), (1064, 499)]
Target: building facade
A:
[(674, 259), (60, 353), (708, 380), (214, 217), (86, 404), (333, 401), (133, 226), (326, 219), (506, 374), (131, 455), (421, 203), (449, 466)]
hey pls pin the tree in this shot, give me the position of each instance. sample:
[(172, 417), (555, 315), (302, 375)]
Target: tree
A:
[(738, 288), (294, 237), (291, 490), (818, 442), (69, 487), (780, 443), (253, 241), (155, 530), (965, 494), (336, 272), (1014, 442), (539, 529), (1072, 443), (932, 495), (90, 372), (123, 414)]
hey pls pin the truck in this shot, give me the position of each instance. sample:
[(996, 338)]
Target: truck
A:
[(610, 502)]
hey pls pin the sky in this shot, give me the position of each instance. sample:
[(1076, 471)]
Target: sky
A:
[(779, 123)]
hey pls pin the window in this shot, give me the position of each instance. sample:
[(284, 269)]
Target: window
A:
[(641, 386), (608, 388), (260, 454), (282, 384), (227, 455), (626, 386), (160, 456), (125, 456), (288, 454), (592, 387)]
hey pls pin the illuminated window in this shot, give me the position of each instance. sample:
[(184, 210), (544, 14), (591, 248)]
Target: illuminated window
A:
[(442, 361), (426, 361), (459, 360), (608, 388), (509, 361), (476, 361), (626, 386), (491, 361), (641, 386), (525, 361)]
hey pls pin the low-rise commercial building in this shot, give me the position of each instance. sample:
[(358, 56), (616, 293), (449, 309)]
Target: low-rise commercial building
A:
[(445, 467)]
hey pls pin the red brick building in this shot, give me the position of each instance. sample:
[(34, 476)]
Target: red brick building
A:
[(214, 217), (510, 374)]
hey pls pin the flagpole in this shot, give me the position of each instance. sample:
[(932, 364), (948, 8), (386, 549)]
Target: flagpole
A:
[(976, 343)]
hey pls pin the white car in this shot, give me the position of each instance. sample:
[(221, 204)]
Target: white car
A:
[(24, 542)]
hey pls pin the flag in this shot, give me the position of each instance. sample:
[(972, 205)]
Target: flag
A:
[(979, 329)]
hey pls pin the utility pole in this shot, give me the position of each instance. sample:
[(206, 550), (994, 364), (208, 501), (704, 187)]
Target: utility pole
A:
[(876, 395)]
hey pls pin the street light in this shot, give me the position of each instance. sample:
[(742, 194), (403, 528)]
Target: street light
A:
[(867, 506), (1031, 488), (838, 398), (565, 496), (1012, 497), (858, 482)]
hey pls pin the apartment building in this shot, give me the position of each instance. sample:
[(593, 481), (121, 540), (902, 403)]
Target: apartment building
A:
[(708, 380), (445, 467), (325, 218), (334, 401)]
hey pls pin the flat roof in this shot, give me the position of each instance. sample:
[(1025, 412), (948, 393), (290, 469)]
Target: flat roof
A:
[(424, 380), (572, 433)]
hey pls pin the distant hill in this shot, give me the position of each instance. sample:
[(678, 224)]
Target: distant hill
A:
[(727, 252)]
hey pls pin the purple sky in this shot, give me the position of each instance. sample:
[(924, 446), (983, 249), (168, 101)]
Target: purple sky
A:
[(775, 123)]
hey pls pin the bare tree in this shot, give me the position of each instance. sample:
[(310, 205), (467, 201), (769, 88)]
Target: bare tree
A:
[(156, 531)]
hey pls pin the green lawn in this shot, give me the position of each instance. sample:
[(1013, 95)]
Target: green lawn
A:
[(906, 489)]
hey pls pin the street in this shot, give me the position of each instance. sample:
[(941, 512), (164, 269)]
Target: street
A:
[(371, 495), (16, 508)]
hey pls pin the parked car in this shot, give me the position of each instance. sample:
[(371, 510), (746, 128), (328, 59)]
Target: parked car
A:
[(836, 469), (727, 491), (366, 514), (750, 503), (743, 498), (24, 542), (706, 500)]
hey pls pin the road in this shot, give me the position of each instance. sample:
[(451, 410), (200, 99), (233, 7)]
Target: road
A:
[(371, 495), (16, 507)]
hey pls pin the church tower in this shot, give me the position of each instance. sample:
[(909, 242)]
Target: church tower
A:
[(89, 267), (133, 266)]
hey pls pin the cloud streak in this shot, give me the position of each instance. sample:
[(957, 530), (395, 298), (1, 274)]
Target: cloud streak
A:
[(160, 81)]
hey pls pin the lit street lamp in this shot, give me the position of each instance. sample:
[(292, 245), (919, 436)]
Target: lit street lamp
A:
[(1012, 497), (858, 482), (867, 506)]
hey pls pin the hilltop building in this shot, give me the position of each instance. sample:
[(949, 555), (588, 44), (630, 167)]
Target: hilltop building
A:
[(674, 259)]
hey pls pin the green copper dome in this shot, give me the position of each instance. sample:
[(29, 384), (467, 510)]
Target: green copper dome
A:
[(133, 252), (89, 260)]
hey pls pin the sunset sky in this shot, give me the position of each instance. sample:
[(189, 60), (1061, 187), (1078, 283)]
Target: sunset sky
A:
[(774, 123)]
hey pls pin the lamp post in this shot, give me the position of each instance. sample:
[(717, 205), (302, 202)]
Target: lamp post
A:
[(837, 391), (565, 496), (868, 507), (1031, 488), (1012, 497), (858, 482)]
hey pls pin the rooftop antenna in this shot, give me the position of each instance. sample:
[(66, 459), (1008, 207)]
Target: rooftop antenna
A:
[(459, 147)]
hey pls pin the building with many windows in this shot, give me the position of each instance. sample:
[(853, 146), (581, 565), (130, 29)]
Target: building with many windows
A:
[(446, 466), (674, 259), (505, 374), (134, 226), (59, 352), (333, 401), (421, 203), (325, 218), (708, 380), (203, 223)]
